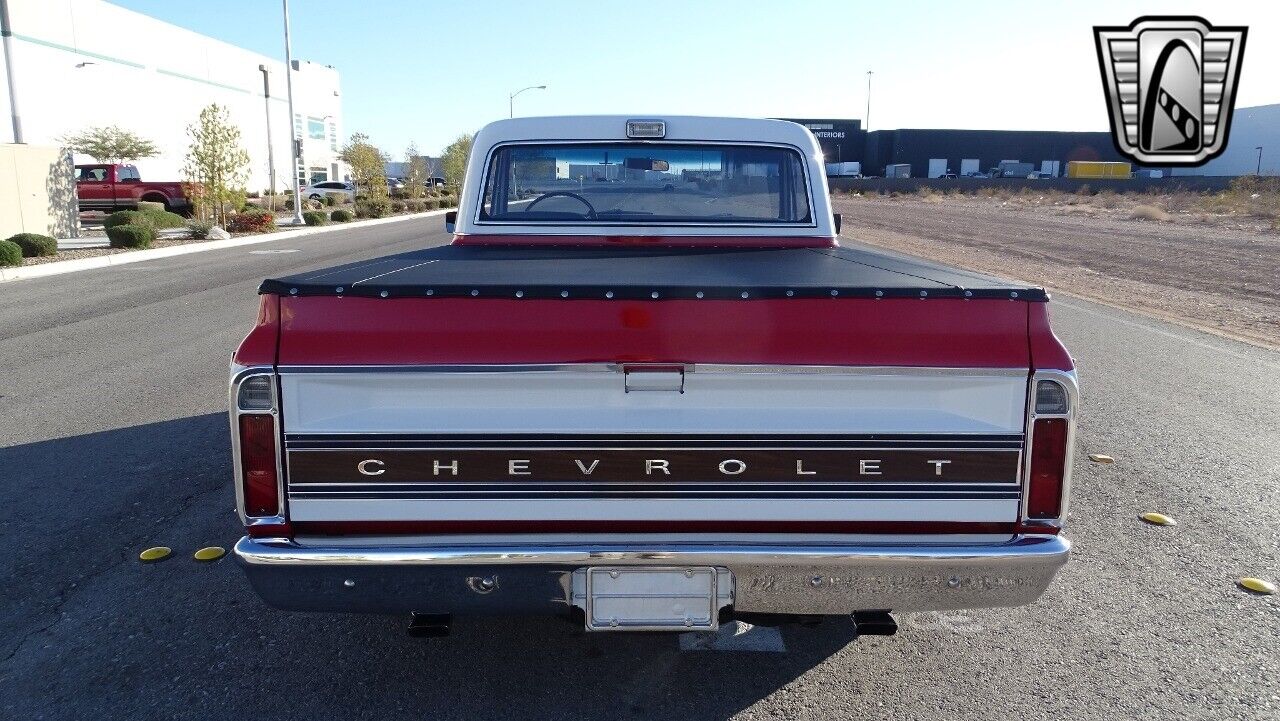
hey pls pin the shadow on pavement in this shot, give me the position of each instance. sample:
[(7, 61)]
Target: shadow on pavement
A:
[(90, 631)]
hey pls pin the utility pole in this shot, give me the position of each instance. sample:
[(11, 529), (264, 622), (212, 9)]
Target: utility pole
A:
[(271, 156), (6, 37), (293, 123), (1259, 149), (868, 117)]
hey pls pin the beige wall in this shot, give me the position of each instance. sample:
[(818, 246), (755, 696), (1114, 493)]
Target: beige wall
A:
[(37, 191)]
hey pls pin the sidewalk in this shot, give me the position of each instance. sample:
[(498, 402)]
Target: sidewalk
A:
[(137, 256)]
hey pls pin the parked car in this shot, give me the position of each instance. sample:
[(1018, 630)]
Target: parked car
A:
[(647, 410), (395, 184), (109, 187), (434, 182), (317, 191)]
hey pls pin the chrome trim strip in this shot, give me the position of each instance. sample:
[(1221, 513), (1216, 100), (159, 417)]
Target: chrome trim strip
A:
[(284, 552), (581, 228), (745, 368)]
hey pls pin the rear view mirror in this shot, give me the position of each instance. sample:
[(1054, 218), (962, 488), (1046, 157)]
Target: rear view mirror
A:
[(450, 221), (836, 217)]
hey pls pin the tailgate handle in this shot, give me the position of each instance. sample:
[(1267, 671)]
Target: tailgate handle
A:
[(664, 378)]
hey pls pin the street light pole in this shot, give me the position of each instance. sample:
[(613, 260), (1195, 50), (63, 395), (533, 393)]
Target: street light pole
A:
[(511, 99), (6, 38), (271, 155), (293, 123), (1259, 149), (868, 116)]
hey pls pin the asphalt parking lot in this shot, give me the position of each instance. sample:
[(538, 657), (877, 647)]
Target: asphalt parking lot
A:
[(113, 438)]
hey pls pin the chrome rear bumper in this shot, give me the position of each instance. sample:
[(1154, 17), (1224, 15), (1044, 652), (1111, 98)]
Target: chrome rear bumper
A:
[(513, 578)]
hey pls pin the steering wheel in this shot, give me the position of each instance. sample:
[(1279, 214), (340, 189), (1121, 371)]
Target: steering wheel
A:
[(591, 210)]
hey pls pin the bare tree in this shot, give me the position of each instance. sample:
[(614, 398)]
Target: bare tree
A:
[(217, 168), (415, 173)]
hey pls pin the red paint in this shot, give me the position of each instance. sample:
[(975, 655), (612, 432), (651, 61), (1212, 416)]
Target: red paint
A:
[(271, 530), (259, 347), (1047, 352), (1048, 468), (109, 187), (390, 528), (675, 241), (329, 330)]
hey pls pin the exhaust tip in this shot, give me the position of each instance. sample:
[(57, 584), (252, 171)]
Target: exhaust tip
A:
[(875, 623)]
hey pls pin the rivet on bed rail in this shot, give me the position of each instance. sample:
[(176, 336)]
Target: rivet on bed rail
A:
[(608, 294), (384, 294), (519, 293)]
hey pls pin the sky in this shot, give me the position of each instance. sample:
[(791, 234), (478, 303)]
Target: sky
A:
[(424, 71)]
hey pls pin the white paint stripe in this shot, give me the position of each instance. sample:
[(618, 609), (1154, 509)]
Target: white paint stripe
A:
[(104, 261), (1186, 337), (648, 509)]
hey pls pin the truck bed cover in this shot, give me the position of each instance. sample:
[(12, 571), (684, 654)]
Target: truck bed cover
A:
[(647, 273)]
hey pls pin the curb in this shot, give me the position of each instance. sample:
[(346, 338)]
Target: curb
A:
[(104, 261)]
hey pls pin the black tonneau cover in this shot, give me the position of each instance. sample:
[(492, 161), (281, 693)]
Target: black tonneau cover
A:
[(577, 273)]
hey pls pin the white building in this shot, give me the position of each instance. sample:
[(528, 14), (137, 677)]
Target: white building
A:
[(1251, 129), (83, 63)]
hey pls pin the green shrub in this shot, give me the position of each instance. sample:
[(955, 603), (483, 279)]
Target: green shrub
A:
[(372, 207), (163, 219), (10, 253), (252, 221), (398, 206), (200, 229), (341, 215), (430, 204), (332, 199), (447, 202), (131, 236), (315, 217), (125, 217), (148, 206), (34, 245)]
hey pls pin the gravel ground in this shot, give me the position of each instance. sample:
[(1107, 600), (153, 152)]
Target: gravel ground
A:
[(1214, 274)]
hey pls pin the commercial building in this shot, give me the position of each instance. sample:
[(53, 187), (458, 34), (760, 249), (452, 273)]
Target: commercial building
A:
[(936, 152), (841, 140), (85, 63)]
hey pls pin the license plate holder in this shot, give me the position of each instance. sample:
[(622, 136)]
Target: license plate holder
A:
[(648, 598)]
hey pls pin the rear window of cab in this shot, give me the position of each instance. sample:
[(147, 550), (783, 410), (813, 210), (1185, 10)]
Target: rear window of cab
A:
[(646, 183)]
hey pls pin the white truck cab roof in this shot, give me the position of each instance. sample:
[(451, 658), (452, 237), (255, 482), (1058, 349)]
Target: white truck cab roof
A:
[(679, 134)]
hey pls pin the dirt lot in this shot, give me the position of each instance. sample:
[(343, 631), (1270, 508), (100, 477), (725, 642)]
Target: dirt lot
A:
[(1215, 272)]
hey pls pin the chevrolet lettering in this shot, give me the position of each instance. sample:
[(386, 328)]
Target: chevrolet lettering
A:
[(658, 402)]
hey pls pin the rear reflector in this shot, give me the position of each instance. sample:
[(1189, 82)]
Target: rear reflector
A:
[(1048, 466), (258, 464)]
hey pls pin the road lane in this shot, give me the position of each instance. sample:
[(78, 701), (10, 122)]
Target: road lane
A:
[(113, 438)]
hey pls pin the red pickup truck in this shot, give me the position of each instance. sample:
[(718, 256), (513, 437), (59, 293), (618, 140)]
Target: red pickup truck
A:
[(660, 402), (111, 186)]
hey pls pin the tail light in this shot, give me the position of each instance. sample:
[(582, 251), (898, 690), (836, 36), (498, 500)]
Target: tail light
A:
[(1049, 451), (1048, 468), (261, 489)]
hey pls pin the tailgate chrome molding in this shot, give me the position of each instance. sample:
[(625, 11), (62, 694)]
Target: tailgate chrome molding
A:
[(828, 578)]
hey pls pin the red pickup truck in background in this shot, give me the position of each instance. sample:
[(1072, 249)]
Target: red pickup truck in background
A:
[(110, 187)]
